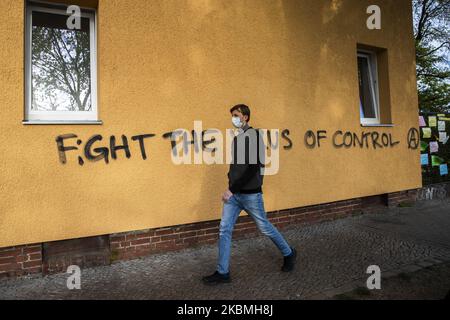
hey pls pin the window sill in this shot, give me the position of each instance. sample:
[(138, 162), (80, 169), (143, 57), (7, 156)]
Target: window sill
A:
[(46, 122), (377, 125)]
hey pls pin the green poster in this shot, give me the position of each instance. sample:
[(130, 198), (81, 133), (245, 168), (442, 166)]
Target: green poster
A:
[(436, 161), (423, 146)]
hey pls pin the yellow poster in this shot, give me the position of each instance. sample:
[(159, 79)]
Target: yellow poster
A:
[(432, 121), (426, 133)]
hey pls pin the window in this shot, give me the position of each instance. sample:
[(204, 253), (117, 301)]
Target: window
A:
[(368, 87), (61, 75)]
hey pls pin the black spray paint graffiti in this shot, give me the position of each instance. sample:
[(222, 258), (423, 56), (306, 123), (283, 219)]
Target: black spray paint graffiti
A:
[(312, 140), (195, 141), (431, 192), (413, 138), (187, 143), (349, 139), (102, 153)]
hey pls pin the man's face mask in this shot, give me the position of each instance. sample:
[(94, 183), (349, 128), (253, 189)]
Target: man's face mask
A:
[(236, 122)]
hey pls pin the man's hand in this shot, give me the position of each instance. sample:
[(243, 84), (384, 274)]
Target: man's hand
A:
[(226, 196)]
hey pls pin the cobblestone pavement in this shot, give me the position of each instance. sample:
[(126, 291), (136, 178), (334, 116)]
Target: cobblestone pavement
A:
[(332, 258), (430, 283)]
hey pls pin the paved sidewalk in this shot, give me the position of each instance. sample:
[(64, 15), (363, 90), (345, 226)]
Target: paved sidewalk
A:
[(332, 259), (430, 283)]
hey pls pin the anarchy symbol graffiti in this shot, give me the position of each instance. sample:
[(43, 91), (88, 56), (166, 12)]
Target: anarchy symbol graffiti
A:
[(413, 138)]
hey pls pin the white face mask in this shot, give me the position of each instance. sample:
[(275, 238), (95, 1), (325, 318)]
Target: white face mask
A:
[(236, 122)]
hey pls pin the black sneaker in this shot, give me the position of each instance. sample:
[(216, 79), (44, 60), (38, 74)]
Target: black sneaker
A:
[(289, 261), (217, 277)]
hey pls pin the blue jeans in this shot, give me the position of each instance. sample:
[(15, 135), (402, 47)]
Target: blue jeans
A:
[(253, 204)]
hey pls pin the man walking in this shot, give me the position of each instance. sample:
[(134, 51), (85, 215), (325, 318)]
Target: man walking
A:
[(245, 193)]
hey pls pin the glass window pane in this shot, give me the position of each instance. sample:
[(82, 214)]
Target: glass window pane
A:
[(60, 67), (365, 92)]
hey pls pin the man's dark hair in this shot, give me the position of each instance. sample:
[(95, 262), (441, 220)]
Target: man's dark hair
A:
[(242, 108)]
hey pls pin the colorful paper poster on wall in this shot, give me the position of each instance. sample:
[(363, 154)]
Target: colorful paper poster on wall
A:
[(432, 121), (441, 115), (441, 125), (443, 137), (434, 147), (424, 159), (423, 146), (422, 122), (445, 119), (436, 161), (426, 133), (443, 168)]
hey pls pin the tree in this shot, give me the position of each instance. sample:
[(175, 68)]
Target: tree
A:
[(61, 69), (432, 38)]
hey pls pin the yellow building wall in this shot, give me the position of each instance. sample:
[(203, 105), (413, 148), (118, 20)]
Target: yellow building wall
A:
[(163, 64)]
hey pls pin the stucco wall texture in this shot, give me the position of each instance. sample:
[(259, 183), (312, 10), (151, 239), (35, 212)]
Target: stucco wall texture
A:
[(162, 64)]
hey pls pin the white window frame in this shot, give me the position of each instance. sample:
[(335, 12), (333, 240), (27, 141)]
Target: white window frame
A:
[(60, 116), (374, 90)]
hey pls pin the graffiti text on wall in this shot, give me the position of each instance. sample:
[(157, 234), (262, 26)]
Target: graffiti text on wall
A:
[(93, 150), (101, 153)]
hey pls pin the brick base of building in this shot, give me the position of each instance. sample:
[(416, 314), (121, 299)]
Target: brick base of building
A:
[(55, 257)]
